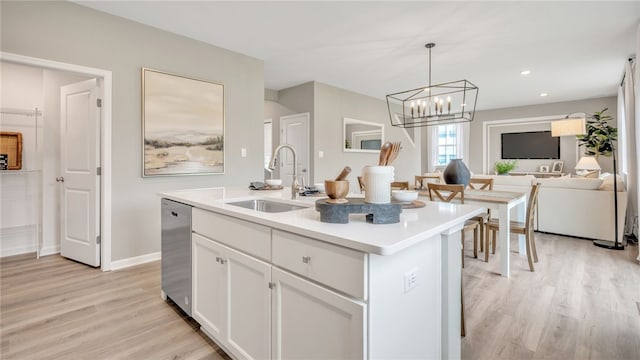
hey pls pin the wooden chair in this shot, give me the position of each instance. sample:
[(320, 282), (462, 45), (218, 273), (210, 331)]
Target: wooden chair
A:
[(396, 185), (421, 180), (447, 193), (361, 184), (517, 227), (453, 192), (481, 184), (486, 185), (400, 185)]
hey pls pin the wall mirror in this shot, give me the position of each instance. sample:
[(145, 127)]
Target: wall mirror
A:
[(361, 136)]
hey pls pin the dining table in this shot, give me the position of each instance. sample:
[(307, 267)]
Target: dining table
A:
[(502, 202)]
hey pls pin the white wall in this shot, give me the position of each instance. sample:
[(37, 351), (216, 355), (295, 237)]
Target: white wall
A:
[(70, 33), (331, 106), (567, 147)]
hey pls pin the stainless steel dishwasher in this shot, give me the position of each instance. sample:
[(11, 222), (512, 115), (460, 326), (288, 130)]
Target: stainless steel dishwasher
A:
[(176, 253)]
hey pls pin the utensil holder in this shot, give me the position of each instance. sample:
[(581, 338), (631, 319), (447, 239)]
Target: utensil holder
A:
[(377, 184)]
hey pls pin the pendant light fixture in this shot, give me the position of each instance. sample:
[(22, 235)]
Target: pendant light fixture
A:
[(440, 104)]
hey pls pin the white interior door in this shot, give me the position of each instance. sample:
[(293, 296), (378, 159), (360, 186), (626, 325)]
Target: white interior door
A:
[(294, 130), (79, 160)]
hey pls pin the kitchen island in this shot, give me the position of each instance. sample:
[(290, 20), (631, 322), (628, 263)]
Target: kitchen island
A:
[(285, 285)]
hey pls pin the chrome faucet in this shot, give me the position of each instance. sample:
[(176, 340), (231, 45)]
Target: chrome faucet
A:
[(295, 186)]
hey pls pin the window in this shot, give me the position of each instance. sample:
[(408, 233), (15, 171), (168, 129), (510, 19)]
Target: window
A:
[(447, 142), (267, 142)]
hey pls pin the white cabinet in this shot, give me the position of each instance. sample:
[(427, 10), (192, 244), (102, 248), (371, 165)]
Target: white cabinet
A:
[(312, 322), (231, 298), (208, 284), (295, 297)]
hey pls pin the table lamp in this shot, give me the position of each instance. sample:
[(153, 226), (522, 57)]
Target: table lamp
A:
[(587, 166)]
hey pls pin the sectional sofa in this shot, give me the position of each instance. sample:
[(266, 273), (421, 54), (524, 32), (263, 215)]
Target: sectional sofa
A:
[(577, 207)]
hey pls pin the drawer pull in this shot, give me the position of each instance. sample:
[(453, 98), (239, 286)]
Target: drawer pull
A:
[(306, 259), (174, 213)]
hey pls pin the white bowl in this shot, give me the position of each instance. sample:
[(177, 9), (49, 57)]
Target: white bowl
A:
[(274, 182), (319, 186), (405, 195)]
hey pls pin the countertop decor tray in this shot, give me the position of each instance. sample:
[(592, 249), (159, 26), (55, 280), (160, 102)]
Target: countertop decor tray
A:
[(375, 213)]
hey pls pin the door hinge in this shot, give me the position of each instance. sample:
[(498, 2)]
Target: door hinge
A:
[(98, 239), (272, 285), (99, 103), (99, 170)]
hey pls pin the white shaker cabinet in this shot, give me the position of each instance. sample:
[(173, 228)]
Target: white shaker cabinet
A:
[(232, 299), (312, 322)]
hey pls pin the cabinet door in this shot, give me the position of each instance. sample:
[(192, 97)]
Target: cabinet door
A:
[(209, 281), (311, 322), (249, 308)]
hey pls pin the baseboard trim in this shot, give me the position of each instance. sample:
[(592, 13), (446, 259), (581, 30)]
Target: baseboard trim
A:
[(50, 250), (136, 260), (17, 250)]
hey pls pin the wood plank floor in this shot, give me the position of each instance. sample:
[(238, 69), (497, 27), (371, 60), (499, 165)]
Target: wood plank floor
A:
[(54, 308), (582, 302)]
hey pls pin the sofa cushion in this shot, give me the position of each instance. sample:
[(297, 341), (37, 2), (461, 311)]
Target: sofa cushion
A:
[(508, 180), (572, 183), (607, 182)]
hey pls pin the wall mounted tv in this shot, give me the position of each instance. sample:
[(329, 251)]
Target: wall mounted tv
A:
[(530, 145)]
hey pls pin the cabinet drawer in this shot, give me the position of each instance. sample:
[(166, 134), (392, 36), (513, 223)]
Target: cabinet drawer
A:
[(242, 235), (337, 267)]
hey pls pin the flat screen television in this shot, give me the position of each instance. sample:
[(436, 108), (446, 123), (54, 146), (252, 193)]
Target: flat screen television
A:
[(530, 145)]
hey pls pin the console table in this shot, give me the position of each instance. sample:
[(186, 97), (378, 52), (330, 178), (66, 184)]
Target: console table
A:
[(536, 174)]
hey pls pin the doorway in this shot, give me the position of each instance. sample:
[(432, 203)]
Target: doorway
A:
[(104, 77), (294, 130)]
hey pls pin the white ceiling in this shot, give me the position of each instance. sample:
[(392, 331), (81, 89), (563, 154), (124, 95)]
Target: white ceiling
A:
[(575, 50)]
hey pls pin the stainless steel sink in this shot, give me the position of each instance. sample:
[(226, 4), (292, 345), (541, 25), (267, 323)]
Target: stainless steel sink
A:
[(268, 206)]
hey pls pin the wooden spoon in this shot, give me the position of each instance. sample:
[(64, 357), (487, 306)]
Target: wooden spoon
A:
[(384, 153), (395, 149)]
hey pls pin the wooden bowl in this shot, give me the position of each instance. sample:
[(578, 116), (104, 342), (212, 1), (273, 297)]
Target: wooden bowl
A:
[(336, 189)]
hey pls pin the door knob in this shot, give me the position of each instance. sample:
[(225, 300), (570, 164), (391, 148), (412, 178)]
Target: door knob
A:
[(60, 179)]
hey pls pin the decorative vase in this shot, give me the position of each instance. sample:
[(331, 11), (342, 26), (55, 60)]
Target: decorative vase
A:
[(456, 173)]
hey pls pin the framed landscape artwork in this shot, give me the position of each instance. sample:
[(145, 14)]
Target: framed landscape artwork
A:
[(182, 125)]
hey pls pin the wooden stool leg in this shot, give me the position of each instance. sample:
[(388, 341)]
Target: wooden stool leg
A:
[(486, 244), (533, 247), (482, 234), (529, 251), (495, 243), (475, 242)]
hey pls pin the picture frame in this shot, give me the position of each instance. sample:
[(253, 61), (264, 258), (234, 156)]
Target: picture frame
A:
[(557, 166), (183, 125), (544, 168)]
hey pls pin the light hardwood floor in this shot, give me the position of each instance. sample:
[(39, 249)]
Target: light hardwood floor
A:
[(54, 308), (582, 302)]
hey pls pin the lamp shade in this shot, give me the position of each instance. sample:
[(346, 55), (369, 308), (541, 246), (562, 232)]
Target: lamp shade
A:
[(588, 163), (568, 127)]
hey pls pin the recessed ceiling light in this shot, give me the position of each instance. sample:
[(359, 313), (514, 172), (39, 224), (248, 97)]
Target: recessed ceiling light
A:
[(525, 72), (544, 94)]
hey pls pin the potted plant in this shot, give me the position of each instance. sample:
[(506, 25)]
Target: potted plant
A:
[(600, 135), (504, 167)]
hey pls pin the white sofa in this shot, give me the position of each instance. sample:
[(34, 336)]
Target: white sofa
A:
[(572, 206)]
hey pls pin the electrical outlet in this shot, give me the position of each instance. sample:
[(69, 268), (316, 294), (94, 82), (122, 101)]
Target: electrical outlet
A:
[(410, 280), (320, 154), (243, 152)]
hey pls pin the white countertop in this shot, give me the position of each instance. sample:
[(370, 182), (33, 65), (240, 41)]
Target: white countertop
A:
[(384, 239)]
